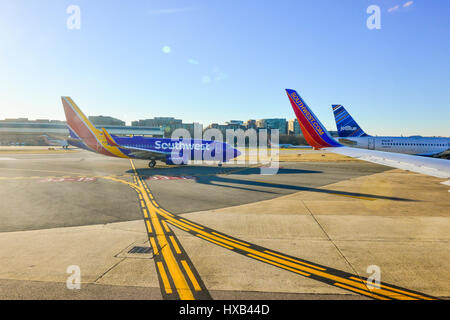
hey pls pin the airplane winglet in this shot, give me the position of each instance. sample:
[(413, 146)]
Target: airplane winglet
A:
[(109, 139), (313, 131)]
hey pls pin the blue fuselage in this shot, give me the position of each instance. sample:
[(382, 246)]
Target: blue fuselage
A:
[(168, 150)]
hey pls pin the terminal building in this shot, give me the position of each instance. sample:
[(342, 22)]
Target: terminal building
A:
[(106, 121), (60, 128), (294, 128), (275, 123), (27, 132), (168, 125)]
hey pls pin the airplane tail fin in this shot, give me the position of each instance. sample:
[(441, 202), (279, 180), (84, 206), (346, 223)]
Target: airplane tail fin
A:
[(77, 121), (346, 125), (314, 132), (81, 128)]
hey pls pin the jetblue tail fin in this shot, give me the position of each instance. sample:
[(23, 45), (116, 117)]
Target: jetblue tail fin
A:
[(313, 131), (346, 125)]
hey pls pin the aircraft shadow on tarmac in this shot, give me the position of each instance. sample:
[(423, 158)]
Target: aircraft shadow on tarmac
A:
[(222, 177)]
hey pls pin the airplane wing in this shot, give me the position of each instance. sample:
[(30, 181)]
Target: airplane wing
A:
[(439, 168), (319, 138), (135, 151)]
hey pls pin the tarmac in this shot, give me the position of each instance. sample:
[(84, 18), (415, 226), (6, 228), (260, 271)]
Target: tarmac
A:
[(316, 230)]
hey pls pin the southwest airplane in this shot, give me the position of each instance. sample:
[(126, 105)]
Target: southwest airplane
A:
[(319, 138), (84, 135), (351, 134)]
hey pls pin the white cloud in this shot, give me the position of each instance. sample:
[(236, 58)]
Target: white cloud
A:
[(407, 4), (395, 8)]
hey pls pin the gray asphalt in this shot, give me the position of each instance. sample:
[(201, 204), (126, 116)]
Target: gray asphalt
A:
[(215, 188), (33, 197)]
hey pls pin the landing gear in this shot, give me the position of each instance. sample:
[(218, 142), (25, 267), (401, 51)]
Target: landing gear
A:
[(219, 165), (152, 164)]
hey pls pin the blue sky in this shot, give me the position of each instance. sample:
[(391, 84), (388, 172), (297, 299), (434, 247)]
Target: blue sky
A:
[(212, 61)]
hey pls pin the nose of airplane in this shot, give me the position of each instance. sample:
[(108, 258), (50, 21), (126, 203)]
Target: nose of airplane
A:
[(231, 152)]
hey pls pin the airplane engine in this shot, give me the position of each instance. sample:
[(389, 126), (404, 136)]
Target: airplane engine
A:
[(171, 161)]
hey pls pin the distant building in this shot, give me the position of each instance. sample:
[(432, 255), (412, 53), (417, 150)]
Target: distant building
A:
[(26, 120), (333, 133), (60, 128), (221, 127), (158, 122), (191, 127), (235, 125), (275, 123), (250, 124), (106, 121), (260, 124), (294, 127), (15, 120), (168, 125), (229, 125), (235, 122)]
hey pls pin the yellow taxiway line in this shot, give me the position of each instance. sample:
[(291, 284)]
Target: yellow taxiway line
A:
[(173, 267), (160, 216), (354, 284)]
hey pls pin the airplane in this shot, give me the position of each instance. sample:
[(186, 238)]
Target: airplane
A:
[(351, 134), (289, 146), (319, 138), (83, 134), (55, 142)]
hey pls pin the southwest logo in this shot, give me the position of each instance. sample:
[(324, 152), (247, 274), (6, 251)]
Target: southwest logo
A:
[(179, 145), (307, 114)]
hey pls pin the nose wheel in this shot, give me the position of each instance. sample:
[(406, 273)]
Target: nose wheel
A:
[(152, 164)]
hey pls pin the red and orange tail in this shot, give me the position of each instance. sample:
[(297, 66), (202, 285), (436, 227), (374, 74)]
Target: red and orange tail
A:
[(86, 131), (314, 132)]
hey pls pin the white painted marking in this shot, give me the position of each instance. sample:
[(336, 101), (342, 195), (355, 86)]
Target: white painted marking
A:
[(447, 183), (171, 178)]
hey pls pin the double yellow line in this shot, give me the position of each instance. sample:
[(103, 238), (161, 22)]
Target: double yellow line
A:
[(336, 278), (159, 229), (306, 269), (350, 283)]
